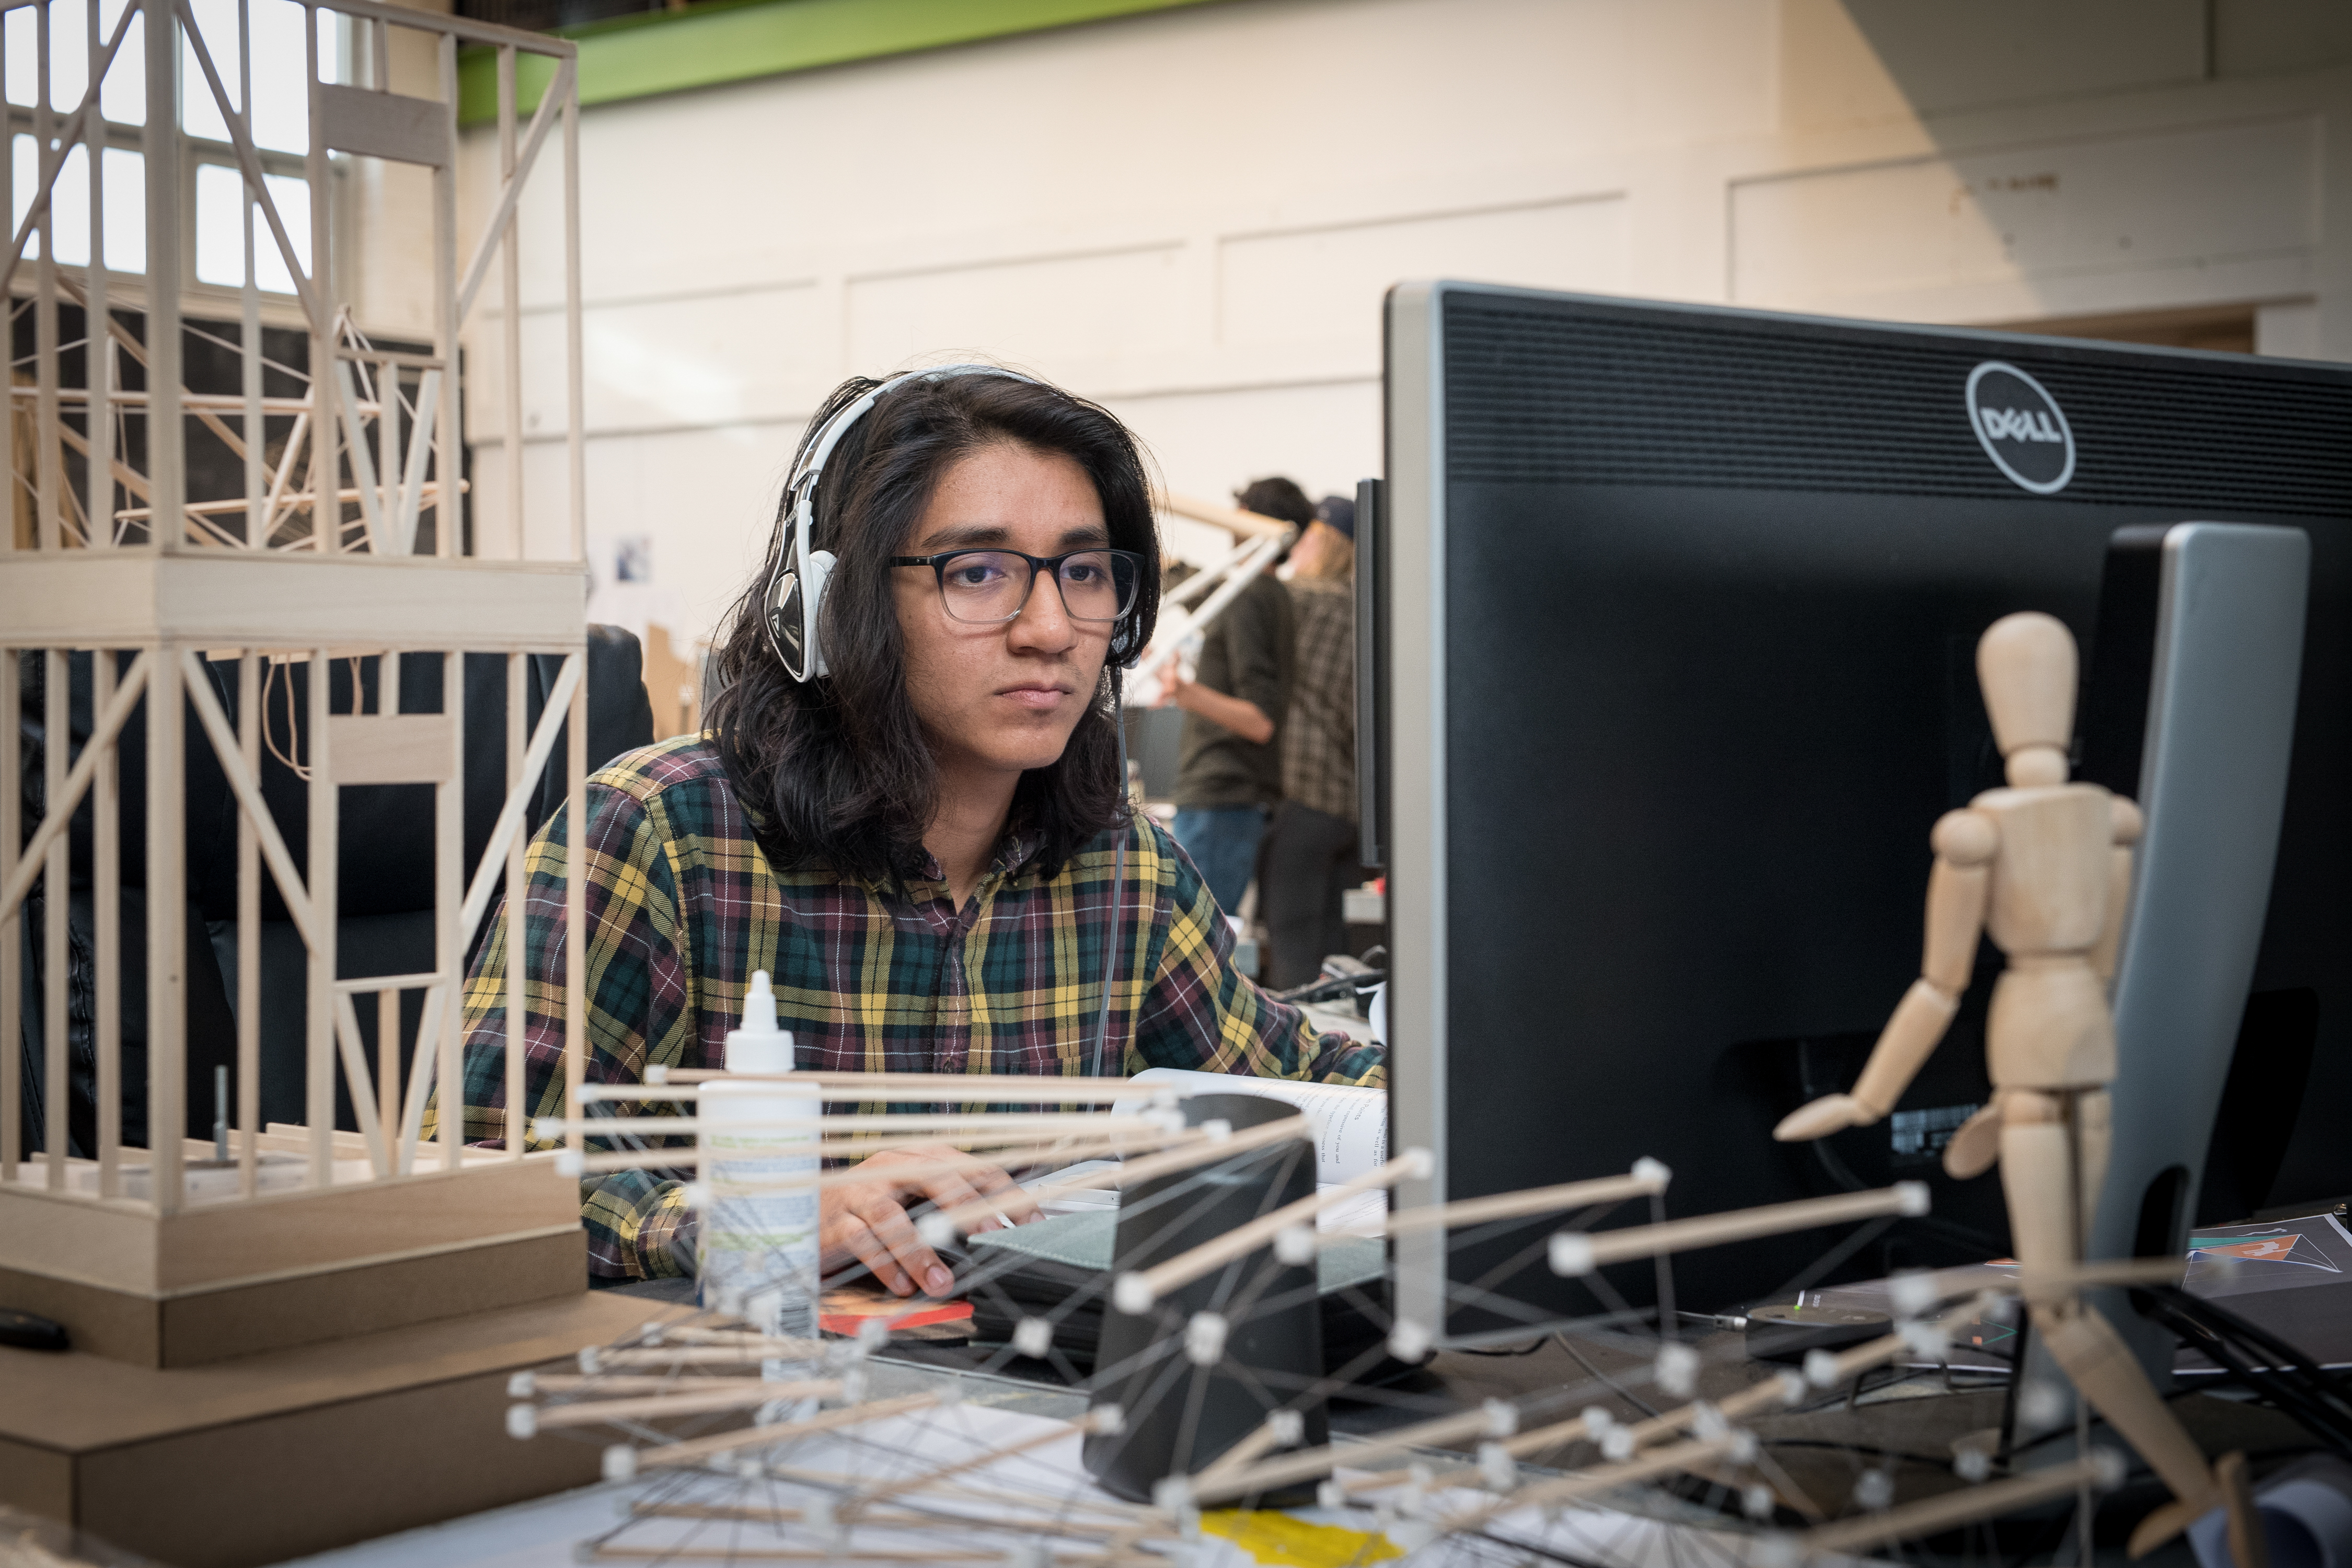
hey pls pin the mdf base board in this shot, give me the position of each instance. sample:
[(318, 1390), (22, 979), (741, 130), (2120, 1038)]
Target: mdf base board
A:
[(269, 1456), (277, 1314), (234, 1279)]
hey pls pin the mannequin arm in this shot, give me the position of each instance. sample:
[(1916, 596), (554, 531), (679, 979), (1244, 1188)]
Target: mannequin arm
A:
[(2127, 823), (1956, 894)]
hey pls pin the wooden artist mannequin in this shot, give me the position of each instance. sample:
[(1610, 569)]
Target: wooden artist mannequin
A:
[(2045, 867)]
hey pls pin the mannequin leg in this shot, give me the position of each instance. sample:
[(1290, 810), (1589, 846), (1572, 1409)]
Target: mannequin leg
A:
[(2104, 1372), (2037, 1173), (2094, 1135)]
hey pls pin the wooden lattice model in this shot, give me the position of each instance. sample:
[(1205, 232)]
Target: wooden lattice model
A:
[(166, 542)]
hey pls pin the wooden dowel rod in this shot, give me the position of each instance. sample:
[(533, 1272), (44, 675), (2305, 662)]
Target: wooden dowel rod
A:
[(1493, 1419), (1000, 1152), (517, 892), (696, 1334), (105, 877), (743, 1394), (531, 1384), (1062, 1502), (1101, 1418), (359, 985), (1076, 1091), (1134, 1292), (575, 784), (319, 867), (985, 1121), (298, 501), (862, 1176), (1249, 1139), (2249, 1540), (192, 401), (12, 978), (1758, 1397), (1509, 1205), (1935, 1515), (670, 1455), (1594, 1482), (54, 858), (1755, 1399), (1018, 1523), (1268, 1435), (702, 1355), (1576, 1252), (67, 799), (988, 1086), (604, 1551)]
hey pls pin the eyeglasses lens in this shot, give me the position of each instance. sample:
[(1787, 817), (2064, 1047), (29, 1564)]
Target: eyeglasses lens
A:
[(992, 586)]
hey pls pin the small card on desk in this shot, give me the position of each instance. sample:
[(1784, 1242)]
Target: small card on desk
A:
[(848, 1309)]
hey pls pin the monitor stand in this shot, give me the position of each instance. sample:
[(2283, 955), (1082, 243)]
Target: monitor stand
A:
[(2206, 619)]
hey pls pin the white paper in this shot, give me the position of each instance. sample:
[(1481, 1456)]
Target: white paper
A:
[(1364, 1214), (1352, 1124)]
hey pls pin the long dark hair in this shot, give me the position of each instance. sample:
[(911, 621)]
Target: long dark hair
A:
[(837, 773)]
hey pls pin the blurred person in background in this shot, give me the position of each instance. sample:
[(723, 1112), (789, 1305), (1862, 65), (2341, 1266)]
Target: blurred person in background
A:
[(1311, 856), (1229, 775)]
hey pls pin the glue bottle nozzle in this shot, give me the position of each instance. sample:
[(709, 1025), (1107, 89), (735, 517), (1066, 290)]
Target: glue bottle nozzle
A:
[(758, 1046), (760, 1006)]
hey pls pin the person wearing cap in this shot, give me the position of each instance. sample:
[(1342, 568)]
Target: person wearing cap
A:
[(1229, 774), (1309, 860)]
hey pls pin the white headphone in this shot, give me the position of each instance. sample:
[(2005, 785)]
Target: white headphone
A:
[(798, 576)]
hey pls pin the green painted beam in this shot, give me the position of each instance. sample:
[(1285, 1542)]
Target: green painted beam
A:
[(736, 40)]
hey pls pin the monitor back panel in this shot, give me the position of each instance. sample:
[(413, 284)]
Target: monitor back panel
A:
[(1681, 608)]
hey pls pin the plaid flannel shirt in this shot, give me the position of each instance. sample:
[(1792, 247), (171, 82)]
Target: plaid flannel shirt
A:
[(682, 906), (1318, 743)]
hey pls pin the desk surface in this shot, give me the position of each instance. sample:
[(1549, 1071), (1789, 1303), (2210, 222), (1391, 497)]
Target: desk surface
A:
[(1905, 1426)]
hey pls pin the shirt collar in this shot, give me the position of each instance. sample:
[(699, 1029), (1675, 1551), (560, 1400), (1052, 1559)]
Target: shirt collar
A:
[(1013, 851)]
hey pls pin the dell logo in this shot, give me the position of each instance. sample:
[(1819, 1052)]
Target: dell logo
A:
[(2021, 427)]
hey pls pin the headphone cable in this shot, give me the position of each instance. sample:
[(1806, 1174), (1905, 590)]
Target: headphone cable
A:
[(1118, 876)]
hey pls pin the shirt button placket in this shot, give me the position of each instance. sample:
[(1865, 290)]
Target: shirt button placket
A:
[(952, 1048)]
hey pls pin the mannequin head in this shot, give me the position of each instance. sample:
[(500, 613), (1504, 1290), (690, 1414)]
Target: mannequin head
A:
[(2026, 667)]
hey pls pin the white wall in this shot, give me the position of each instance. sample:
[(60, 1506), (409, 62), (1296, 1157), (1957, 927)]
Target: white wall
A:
[(1192, 214)]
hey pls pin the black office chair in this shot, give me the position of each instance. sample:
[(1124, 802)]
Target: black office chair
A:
[(384, 876)]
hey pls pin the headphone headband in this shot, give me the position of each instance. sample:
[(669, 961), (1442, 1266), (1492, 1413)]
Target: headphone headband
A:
[(797, 575)]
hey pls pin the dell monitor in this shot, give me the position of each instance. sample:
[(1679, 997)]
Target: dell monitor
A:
[(1671, 622)]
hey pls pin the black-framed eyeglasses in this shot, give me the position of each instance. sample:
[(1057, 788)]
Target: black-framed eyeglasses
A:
[(986, 587)]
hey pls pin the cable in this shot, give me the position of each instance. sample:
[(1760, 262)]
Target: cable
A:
[(1118, 877), (1619, 1389)]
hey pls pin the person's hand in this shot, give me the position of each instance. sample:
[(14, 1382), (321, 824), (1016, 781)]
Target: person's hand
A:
[(868, 1220), (1173, 687), (1830, 1113)]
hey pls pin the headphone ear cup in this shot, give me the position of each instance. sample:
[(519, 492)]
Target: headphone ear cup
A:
[(786, 628), (820, 573)]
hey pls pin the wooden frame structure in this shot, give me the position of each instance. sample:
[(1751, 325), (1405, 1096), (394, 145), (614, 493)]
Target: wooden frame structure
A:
[(322, 554)]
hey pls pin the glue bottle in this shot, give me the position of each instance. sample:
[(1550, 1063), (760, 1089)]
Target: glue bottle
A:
[(760, 1222)]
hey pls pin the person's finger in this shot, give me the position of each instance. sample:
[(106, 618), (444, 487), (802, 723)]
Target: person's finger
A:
[(1011, 1198), (856, 1235), (898, 1232), (960, 1193)]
